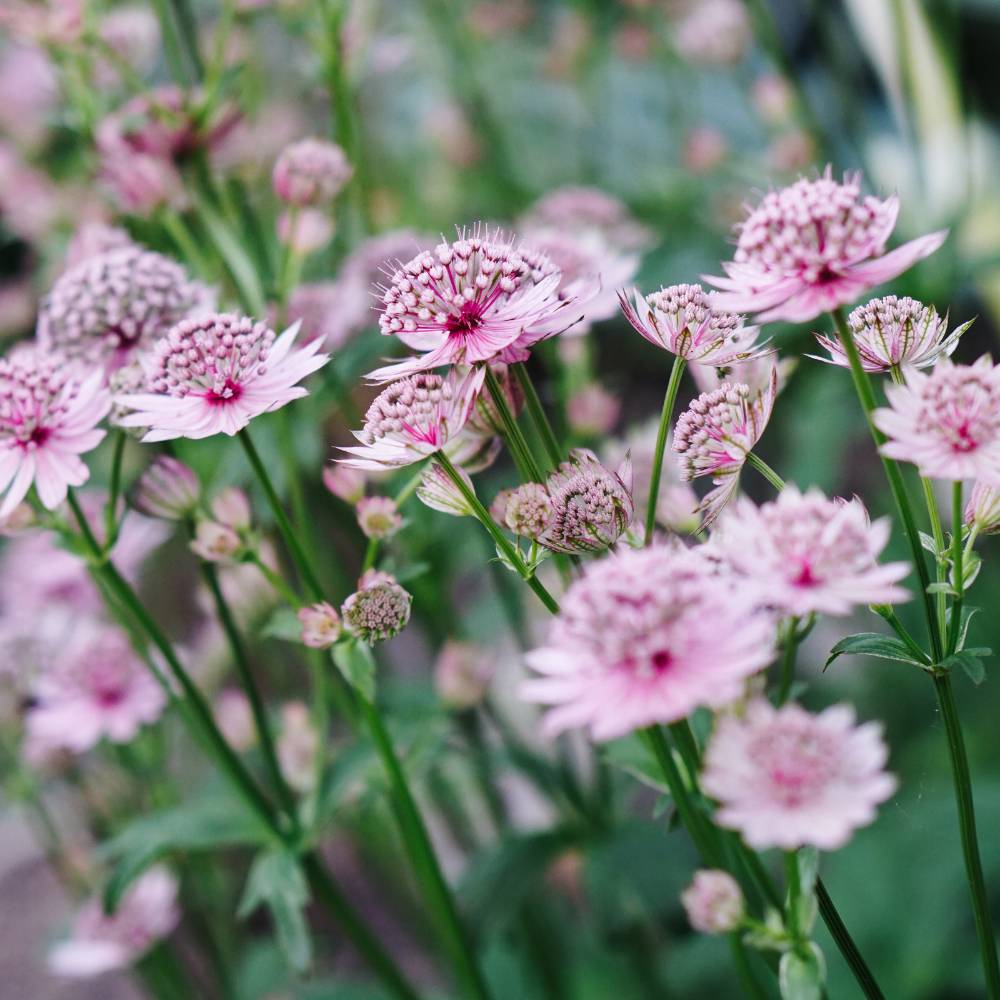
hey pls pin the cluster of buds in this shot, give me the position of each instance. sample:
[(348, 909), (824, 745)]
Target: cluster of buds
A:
[(224, 536), (378, 610)]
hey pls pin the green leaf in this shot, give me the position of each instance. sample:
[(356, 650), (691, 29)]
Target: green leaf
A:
[(884, 647), (941, 588), (970, 660), (631, 755), (968, 613), (354, 661), (800, 977), (283, 624), (276, 881), (239, 265)]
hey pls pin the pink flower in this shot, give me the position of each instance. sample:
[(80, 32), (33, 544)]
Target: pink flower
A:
[(785, 778), (716, 433), (982, 512), (306, 232), (343, 482), (895, 333), (678, 319), (526, 510), (416, 417), (97, 689), (320, 625), (948, 422), (310, 172), (168, 489), (476, 299), (812, 247), (48, 418), (585, 210), (94, 238), (803, 553), (462, 674), (102, 942), (714, 32), (213, 375), (647, 636), (439, 492), (377, 610), (215, 542), (234, 717), (714, 902), (378, 517), (298, 745), (592, 410)]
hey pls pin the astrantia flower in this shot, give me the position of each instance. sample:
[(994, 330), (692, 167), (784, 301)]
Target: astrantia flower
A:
[(646, 636), (803, 553), (785, 778), (716, 433), (526, 510), (715, 32), (476, 299), (48, 418), (378, 517), (110, 306), (92, 239), (713, 902), (439, 492), (983, 509), (378, 610), (756, 373), (97, 689), (893, 333), (214, 374), (101, 942), (416, 417), (310, 172), (812, 247), (678, 319), (320, 625), (462, 674), (168, 489), (948, 422), (234, 717), (582, 210)]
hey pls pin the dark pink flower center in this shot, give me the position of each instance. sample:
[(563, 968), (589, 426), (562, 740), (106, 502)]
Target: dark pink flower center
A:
[(467, 321), (805, 576), (230, 393)]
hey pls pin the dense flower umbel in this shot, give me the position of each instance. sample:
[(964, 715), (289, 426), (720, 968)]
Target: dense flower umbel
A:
[(100, 942), (647, 636), (716, 433), (526, 510), (813, 246), (983, 509), (805, 553), (415, 417), (893, 333), (378, 610), (310, 172), (108, 307), (48, 418), (476, 299), (948, 422), (214, 374), (713, 902), (679, 320), (785, 778), (168, 489)]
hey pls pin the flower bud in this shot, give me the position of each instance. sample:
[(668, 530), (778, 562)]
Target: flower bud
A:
[(983, 509), (232, 508), (168, 489), (344, 482), (306, 232), (527, 510), (713, 902), (438, 492), (320, 625), (310, 172), (215, 542), (462, 674), (378, 517), (378, 611)]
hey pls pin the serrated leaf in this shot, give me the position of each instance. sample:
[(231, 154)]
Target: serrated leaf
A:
[(283, 624), (884, 647), (354, 661), (801, 976), (277, 881)]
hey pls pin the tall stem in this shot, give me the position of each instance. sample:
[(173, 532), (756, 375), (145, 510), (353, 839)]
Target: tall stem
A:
[(516, 441), (842, 938), (934, 515), (766, 471), (788, 660), (114, 492), (538, 417), (957, 555), (666, 415)]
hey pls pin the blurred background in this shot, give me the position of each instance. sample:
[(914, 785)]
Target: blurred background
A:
[(456, 112)]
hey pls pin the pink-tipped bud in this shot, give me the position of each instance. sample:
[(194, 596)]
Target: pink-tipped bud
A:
[(983, 509), (232, 508), (215, 542), (168, 489), (713, 902), (378, 517), (321, 626), (462, 674), (378, 611), (344, 482), (310, 172), (438, 492)]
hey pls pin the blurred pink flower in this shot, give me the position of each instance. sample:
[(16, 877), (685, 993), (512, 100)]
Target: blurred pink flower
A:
[(462, 674), (298, 745), (346, 483), (714, 902), (704, 149), (647, 636), (803, 553), (714, 32), (305, 232), (29, 92), (592, 410), (785, 778), (133, 33), (49, 22), (310, 172), (30, 201), (141, 184), (92, 239), (812, 247), (48, 418), (378, 517), (234, 717), (583, 211), (213, 375), (321, 625), (101, 942), (948, 422), (215, 542), (168, 489)]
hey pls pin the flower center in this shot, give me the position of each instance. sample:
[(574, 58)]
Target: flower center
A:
[(229, 393), (466, 322)]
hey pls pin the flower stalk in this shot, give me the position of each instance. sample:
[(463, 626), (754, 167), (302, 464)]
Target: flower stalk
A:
[(666, 415)]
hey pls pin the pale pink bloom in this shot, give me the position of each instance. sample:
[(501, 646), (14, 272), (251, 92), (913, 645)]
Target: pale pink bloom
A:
[(305, 231), (982, 512), (947, 422), (416, 417), (647, 636), (714, 32), (439, 492), (714, 902), (812, 247), (592, 410), (231, 506), (298, 745), (321, 626), (31, 205), (141, 184), (234, 717), (133, 32), (98, 688), (215, 542), (310, 172), (803, 553), (678, 319), (49, 22), (29, 93), (92, 239), (378, 517), (48, 418), (791, 151), (755, 372), (584, 210), (168, 489), (101, 942), (19, 520), (895, 333), (478, 298), (110, 307), (462, 674), (446, 123), (213, 375), (377, 610), (344, 482), (773, 98), (788, 779), (526, 510), (714, 435), (704, 149)]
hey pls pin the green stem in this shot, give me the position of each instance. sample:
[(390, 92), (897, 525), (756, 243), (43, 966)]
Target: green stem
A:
[(187, 30), (171, 43), (751, 988), (899, 628), (186, 242), (967, 827), (842, 938), (930, 501), (295, 550), (516, 441), (114, 493), (794, 891), (791, 646), (957, 555), (766, 471), (276, 581), (537, 413), (666, 415), (424, 860)]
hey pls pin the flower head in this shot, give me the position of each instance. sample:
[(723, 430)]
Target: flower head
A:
[(48, 418), (310, 172), (679, 320), (948, 422), (714, 32), (378, 610), (97, 689), (320, 625), (714, 902), (526, 510), (214, 374), (716, 433), (895, 333), (100, 942), (585, 210), (812, 247), (415, 417), (344, 482), (478, 298), (168, 489), (462, 674), (983, 509), (92, 239), (378, 517), (646, 636), (804, 553), (592, 410), (785, 778)]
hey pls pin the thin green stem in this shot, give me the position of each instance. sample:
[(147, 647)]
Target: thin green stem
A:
[(186, 242), (276, 581), (666, 415), (967, 828), (789, 649), (957, 556), (930, 501), (516, 441), (900, 629), (424, 859), (845, 943), (187, 30), (171, 42), (114, 492), (748, 983), (766, 471), (794, 891), (537, 413)]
